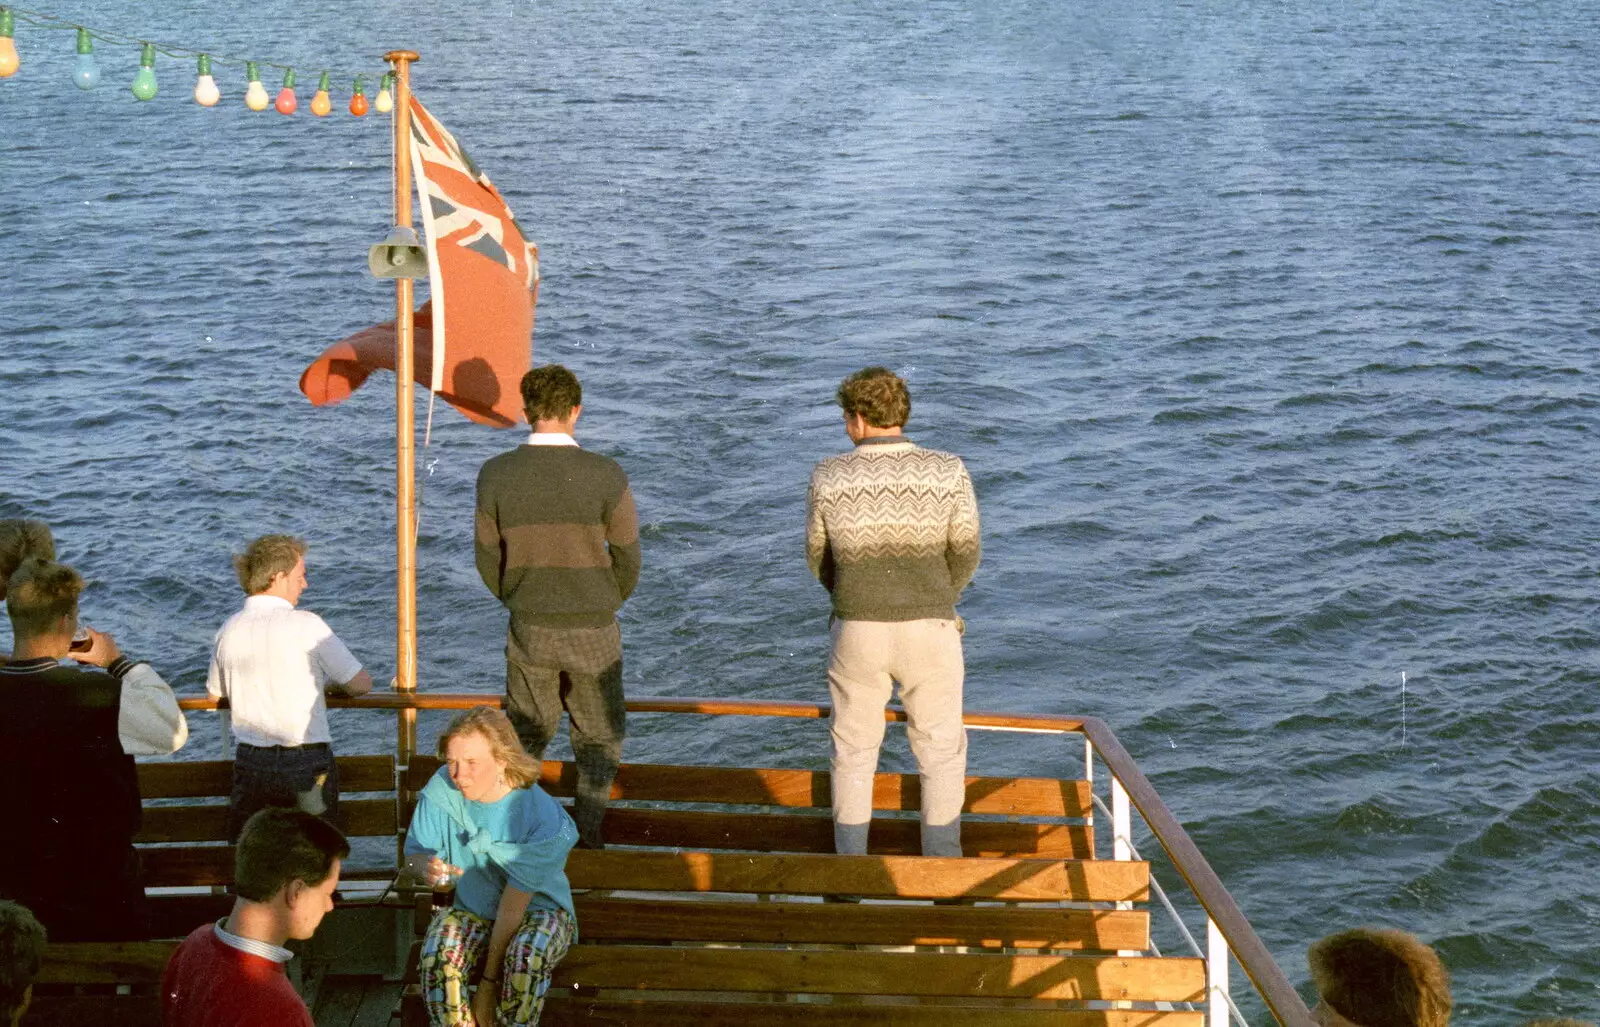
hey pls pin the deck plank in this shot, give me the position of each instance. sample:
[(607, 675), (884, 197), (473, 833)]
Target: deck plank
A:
[(769, 786), (564, 1011), (669, 968), (915, 877), (194, 779), (618, 919), (784, 832)]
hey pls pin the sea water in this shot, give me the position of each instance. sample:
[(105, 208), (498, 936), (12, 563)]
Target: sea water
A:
[(1266, 331)]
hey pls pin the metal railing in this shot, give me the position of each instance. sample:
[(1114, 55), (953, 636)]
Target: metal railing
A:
[(1227, 930)]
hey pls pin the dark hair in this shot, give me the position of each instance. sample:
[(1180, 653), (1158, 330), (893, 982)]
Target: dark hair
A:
[(21, 540), (1381, 978), (265, 559), (282, 845), (22, 941), (878, 395), (549, 393), (39, 594)]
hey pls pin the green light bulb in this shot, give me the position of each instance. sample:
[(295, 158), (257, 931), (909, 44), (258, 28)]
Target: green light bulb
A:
[(144, 83)]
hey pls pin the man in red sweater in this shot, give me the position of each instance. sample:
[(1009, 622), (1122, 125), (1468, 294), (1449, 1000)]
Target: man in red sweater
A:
[(231, 973)]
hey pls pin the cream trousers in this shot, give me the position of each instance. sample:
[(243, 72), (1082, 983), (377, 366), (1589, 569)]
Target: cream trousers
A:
[(924, 657)]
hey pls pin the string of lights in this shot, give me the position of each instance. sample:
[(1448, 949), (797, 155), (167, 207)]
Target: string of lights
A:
[(86, 69)]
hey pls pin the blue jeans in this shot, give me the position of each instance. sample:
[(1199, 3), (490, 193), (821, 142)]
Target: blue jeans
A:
[(297, 776)]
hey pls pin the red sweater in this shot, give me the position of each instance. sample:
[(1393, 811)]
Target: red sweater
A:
[(210, 984)]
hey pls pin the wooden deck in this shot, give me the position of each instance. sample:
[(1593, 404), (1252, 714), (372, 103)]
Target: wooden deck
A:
[(353, 1000), (719, 902)]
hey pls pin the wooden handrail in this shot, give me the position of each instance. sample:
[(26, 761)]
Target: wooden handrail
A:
[(1280, 996), (663, 704)]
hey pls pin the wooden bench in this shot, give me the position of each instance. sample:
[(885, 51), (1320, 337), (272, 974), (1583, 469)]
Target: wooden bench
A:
[(108, 982), (663, 806), (711, 906), (185, 844)]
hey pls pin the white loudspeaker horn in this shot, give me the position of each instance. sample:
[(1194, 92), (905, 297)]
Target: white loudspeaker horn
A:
[(398, 256)]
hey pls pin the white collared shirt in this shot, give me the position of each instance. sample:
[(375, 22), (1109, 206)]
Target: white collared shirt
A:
[(272, 662), (551, 438), (264, 949)]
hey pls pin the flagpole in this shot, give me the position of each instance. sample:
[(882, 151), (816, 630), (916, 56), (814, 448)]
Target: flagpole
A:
[(405, 452)]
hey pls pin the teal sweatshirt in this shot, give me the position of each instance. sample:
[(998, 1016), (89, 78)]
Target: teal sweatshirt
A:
[(524, 839)]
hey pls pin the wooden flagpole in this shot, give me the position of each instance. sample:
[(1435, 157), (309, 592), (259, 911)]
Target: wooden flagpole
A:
[(405, 452)]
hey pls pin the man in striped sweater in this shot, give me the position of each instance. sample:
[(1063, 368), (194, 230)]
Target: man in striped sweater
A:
[(558, 544), (892, 533)]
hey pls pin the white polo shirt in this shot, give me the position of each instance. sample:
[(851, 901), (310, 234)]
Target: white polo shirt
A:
[(272, 662)]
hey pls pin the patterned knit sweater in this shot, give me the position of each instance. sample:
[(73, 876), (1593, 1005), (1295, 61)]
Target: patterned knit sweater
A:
[(557, 535), (892, 530)]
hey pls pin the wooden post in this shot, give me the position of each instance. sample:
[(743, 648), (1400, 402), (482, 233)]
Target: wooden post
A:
[(405, 455)]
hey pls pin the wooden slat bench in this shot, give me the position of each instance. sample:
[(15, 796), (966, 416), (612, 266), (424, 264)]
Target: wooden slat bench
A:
[(184, 844), (693, 937), (1056, 810), (78, 983), (719, 901)]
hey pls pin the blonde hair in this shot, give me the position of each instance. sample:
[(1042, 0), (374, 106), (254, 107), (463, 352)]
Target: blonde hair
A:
[(522, 770), (1380, 978), (23, 540), (39, 595), (265, 559)]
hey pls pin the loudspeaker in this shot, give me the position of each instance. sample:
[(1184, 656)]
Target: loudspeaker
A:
[(398, 256)]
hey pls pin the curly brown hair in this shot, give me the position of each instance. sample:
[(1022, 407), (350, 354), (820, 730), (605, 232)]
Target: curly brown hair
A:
[(1381, 978), (879, 395), (522, 770), (265, 559), (549, 393)]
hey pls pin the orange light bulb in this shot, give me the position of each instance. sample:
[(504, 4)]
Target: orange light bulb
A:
[(9, 61), (321, 104), (358, 105)]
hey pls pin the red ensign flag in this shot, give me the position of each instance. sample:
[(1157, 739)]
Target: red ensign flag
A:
[(474, 336)]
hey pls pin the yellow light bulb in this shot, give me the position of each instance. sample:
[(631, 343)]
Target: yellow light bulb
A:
[(384, 101), (255, 95), (9, 61)]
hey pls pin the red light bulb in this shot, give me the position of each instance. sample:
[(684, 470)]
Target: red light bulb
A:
[(286, 102)]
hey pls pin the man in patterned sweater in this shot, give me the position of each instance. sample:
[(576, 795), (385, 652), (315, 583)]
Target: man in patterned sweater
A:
[(558, 544), (892, 533)]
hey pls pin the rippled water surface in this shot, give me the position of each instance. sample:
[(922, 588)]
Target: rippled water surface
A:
[(1265, 329)]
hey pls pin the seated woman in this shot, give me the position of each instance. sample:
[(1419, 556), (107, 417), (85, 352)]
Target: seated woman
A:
[(484, 824)]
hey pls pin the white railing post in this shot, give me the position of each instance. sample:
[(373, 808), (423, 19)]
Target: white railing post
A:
[(1121, 821), (1216, 976), (1122, 838), (1088, 775)]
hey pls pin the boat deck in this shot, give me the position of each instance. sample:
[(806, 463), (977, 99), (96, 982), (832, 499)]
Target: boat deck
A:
[(353, 1000), (718, 900)]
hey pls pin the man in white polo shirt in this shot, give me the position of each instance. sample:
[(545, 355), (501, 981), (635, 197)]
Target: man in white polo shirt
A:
[(274, 664)]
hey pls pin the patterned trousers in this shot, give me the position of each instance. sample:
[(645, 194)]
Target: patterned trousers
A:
[(578, 670), (453, 954)]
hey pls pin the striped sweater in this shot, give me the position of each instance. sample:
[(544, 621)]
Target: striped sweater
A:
[(892, 530), (557, 535)]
